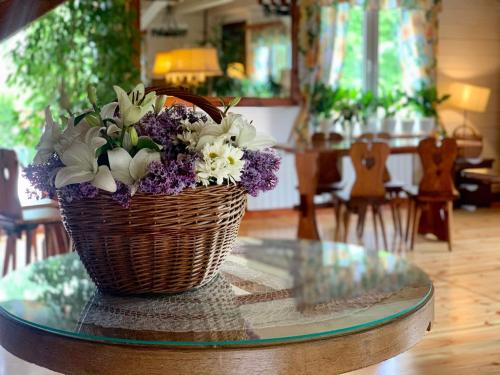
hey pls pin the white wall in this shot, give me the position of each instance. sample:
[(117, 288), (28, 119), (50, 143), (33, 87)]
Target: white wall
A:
[(276, 121)]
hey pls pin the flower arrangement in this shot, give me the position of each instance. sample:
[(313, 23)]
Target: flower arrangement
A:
[(137, 145)]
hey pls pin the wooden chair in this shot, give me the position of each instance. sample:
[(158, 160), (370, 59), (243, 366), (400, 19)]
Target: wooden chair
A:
[(436, 187), (368, 191), (393, 188), (14, 219), (329, 177)]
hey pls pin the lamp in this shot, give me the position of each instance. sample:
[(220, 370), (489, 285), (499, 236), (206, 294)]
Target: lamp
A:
[(187, 65), (468, 98)]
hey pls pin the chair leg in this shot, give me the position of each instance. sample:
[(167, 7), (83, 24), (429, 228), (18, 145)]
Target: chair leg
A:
[(394, 220), (347, 217), (361, 224), (375, 231), (10, 253), (382, 228), (338, 214), (449, 217), (398, 218), (411, 204), (416, 220), (29, 245)]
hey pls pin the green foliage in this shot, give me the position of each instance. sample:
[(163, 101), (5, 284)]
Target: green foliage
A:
[(9, 121), (425, 101), (391, 102), (79, 43), (324, 99)]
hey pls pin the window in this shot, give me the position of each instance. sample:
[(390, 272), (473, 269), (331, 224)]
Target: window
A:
[(390, 75), (370, 58)]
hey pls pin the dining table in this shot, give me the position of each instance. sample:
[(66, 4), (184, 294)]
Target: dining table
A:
[(308, 169)]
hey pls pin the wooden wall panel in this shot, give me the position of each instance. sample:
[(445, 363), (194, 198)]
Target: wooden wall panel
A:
[(469, 51), (15, 14)]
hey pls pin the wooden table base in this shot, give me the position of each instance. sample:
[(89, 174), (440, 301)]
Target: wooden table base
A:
[(322, 356)]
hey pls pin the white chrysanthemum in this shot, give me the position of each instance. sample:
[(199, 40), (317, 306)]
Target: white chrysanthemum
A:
[(191, 134), (220, 162)]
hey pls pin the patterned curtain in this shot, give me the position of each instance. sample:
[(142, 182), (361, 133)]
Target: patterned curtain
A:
[(321, 45), (418, 47)]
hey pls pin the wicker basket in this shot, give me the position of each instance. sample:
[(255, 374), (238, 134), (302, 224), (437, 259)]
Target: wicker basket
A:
[(161, 244)]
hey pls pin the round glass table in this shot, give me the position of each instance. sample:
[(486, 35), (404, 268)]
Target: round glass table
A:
[(278, 306)]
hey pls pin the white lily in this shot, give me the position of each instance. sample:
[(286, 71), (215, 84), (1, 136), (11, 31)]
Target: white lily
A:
[(134, 105), (130, 170), (211, 132), (55, 140), (249, 138), (81, 164)]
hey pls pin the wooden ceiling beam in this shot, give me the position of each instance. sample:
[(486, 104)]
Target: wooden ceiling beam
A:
[(16, 14)]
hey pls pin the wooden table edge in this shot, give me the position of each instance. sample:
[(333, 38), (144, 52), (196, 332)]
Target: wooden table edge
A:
[(324, 355)]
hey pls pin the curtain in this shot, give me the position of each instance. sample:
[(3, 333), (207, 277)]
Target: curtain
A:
[(321, 45), (418, 47)]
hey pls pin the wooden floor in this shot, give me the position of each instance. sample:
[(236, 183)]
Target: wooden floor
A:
[(465, 338)]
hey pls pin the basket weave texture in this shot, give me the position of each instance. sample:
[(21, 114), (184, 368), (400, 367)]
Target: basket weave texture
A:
[(161, 244)]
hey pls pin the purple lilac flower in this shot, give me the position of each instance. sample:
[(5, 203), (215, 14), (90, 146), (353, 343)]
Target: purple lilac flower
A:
[(76, 192), (165, 127), (259, 173), (170, 176), (122, 195), (42, 177)]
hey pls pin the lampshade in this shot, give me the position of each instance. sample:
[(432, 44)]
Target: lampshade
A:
[(469, 97), (187, 64)]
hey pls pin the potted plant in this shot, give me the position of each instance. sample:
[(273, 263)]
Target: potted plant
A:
[(367, 107), (152, 196), (322, 104), (347, 109), (390, 103), (424, 102)]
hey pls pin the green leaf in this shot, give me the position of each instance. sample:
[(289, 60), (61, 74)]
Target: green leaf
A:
[(146, 142), (80, 117)]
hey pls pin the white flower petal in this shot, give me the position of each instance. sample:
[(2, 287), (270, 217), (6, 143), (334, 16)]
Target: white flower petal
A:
[(104, 179), (79, 154), (124, 102), (108, 111), (260, 142), (139, 164), (247, 134), (119, 162), (51, 135), (113, 130), (137, 93), (72, 175)]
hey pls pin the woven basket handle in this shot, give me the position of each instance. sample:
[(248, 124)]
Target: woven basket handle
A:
[(199, 101), (466, 132)]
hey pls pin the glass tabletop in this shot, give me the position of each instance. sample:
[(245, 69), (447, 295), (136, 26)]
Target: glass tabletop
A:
[(269, 291)]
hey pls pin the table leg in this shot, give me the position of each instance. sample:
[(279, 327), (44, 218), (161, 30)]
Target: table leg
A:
[(306, 164)]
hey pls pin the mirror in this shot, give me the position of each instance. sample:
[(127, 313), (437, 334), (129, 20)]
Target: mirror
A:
[(223, 48)]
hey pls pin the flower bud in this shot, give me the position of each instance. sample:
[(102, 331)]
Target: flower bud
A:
[(134, 137), (64, 101), (92, 94), (159, 103), (92, 119)]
